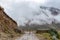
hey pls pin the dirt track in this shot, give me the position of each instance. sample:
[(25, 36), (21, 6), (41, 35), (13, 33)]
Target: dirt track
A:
[(28, 36)]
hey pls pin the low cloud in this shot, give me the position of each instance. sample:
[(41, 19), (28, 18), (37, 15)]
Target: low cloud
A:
[(22, 11)]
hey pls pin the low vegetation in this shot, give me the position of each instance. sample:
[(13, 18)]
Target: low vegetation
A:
[(49, 35)]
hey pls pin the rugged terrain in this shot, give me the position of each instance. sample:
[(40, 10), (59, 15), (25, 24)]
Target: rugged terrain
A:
[(10, 31), (8, 27)]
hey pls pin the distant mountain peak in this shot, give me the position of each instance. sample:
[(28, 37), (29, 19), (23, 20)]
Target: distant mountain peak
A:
[(54, 11)]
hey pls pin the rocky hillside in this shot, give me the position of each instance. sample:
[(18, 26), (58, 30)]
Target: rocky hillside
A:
[(7, 24), (8, 27)]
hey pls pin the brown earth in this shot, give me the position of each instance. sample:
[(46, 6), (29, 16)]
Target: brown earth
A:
[(8, 27)]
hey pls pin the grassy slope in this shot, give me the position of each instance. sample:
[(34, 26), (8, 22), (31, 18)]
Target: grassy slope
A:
[(45, 36)]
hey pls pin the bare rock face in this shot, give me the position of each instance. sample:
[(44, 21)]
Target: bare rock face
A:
[(7, 24)]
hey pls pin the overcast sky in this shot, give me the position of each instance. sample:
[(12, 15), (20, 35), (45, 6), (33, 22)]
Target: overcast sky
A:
[(20, 11)]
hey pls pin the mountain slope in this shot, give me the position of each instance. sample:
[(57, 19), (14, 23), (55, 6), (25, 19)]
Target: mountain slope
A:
[(44, 19), (7, 24)]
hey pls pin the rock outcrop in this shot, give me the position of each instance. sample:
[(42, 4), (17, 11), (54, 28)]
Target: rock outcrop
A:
[(7, 24)]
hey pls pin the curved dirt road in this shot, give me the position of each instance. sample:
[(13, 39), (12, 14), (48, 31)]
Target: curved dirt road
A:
[(28, 36)]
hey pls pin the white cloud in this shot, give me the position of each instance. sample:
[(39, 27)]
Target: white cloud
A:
[(18, 9)]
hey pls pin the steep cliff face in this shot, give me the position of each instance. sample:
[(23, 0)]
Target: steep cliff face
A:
[(7, 24)]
